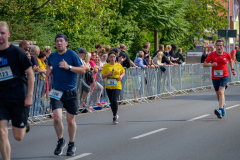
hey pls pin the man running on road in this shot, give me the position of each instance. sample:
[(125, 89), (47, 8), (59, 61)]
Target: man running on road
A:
[(65, 65), (220, 74), (16, 91)]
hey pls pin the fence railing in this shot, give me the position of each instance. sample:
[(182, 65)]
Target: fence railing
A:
[(142, 85)]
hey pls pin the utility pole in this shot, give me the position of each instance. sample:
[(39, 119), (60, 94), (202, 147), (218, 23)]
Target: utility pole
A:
[(239, 27)]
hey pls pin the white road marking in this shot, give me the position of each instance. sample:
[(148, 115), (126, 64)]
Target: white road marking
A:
[(79, 156), (198, 117), (149, 133), (232, 106)]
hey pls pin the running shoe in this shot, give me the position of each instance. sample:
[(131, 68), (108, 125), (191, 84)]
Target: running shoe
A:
[(27, 127), (218, 113), (59, 148), (104, 102), (223, 110), (71, 150), (115, 120), (99, 104)]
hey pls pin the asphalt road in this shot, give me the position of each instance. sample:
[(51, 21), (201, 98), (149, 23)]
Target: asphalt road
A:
[(182, 127)]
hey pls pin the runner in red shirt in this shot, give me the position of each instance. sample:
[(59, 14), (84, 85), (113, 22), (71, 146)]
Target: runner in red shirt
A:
[(233, 54), (220, 73)]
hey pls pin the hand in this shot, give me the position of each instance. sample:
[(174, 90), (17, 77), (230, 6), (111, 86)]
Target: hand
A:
[(124, 59), (152, 66), (233, 72), (164, 64), (214, 64), (136, 67), (119, 78), (63, 64), (36, 68), (49, 72), (28, 101), (111, 73)]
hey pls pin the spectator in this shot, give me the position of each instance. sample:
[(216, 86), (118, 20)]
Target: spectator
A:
[(99, 48), (204, 56), (157, 60), (172, 52), (126, 64), (34, 54), (211, 49), (85, 58), (167, 53), (104, 58), (107, 48), (238, 56), (98, 88), (179, 56), (47, 50), (25, 45), (233, 54), (137, 74), (28, 55), (161, 49), (42, 66)]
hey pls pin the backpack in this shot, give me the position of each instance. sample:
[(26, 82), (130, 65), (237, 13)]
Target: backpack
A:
[(88, 78)]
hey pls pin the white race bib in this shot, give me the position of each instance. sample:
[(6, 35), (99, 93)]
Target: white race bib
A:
[(5, 73), (55, 94), (112, 82), (218, 73)]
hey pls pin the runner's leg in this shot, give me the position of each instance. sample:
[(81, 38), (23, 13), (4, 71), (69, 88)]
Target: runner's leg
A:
[(5, 147), (221, 96), (72, 127), (58, 125), (18, 133)]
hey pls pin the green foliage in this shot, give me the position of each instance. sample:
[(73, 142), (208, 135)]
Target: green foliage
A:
[(132, 22)]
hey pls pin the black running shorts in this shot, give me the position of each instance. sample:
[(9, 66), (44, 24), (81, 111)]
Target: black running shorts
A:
[(69, 101), (13, 109)]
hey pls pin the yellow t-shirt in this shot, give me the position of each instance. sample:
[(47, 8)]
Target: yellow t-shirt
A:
[(118, 69), (42, 65)]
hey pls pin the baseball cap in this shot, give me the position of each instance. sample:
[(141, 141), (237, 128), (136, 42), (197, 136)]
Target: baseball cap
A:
[(82, 50)]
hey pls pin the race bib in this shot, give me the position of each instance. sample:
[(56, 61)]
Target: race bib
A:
[(218, 73), (5, 73), (112, 82), (55, 94)]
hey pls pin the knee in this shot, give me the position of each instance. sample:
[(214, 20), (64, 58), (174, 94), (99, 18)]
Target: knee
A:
[(221, 92), (57, 119), (3, 134), (71, 123), (18, 137)]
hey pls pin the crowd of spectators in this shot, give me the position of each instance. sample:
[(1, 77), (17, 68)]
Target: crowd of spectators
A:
[(95, 60)]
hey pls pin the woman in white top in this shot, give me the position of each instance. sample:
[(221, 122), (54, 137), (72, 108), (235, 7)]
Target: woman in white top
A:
[(157, 60)]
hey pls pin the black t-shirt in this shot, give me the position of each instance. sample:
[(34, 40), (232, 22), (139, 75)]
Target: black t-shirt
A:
[(127, 62), (165, 59), (34, 61), (16, 59)]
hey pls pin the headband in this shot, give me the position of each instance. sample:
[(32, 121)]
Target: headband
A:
[(61, 36)]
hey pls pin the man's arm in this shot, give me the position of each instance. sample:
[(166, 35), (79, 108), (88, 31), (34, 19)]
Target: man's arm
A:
[(77, 70), (30, 81), (231, 66)]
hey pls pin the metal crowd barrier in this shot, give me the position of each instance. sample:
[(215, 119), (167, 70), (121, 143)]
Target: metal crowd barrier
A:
[(142, 85)]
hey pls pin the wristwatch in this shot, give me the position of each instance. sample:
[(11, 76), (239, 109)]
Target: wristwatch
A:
[(70, 67)]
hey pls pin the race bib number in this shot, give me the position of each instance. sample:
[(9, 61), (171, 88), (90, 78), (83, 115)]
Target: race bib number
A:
[(112, 82), (5, 73), (218, 73), (55, 94)]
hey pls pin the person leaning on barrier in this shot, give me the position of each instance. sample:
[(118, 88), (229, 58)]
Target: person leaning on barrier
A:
[(47, 50), (16, 91), (204, 56), (220, 75), (161, 49), (137, 74), (64, 64), (157, 60), (179, 56), (85, 58), (114, 73)]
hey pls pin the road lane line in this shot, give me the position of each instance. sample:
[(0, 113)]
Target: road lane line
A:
[(79, 156), (198, 117), (232, 106), (149, 133)]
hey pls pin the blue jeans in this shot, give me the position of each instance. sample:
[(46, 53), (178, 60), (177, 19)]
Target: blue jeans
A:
[(123, 81)]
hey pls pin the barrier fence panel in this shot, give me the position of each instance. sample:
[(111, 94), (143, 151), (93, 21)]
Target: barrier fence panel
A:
[(139, 85)]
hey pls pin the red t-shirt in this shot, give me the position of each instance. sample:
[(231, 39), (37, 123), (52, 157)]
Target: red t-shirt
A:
[(220, 70)]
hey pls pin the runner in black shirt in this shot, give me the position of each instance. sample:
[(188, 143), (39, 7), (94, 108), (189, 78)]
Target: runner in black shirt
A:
[(16, 91)]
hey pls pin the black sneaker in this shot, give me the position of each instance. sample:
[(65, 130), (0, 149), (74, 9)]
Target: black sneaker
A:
[(27, 127), (115, 120), (71, 150), (60, 146)]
